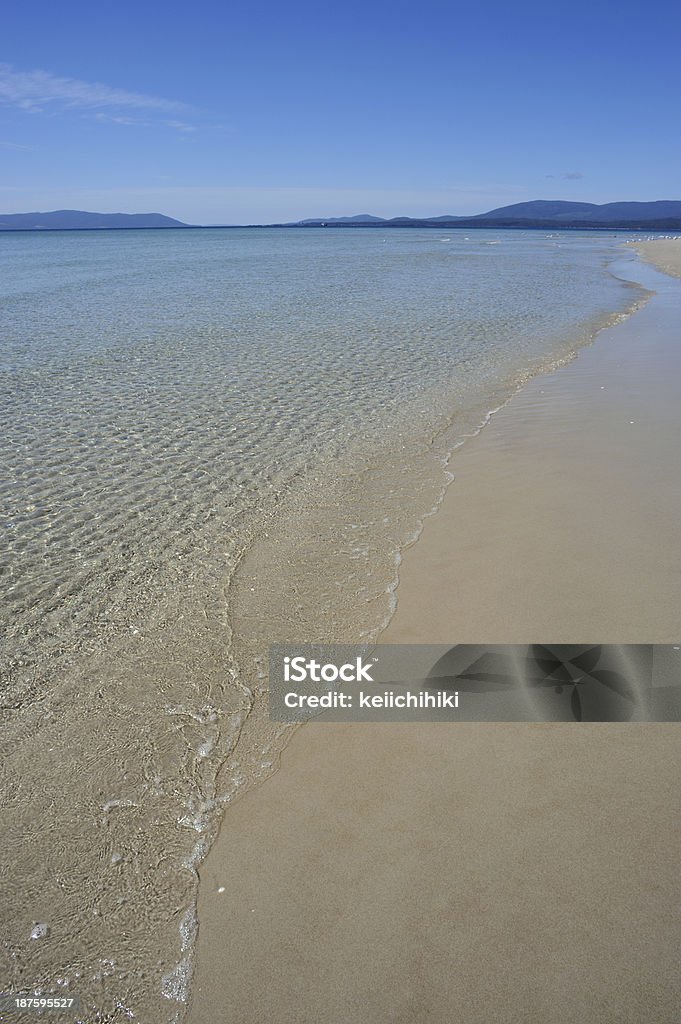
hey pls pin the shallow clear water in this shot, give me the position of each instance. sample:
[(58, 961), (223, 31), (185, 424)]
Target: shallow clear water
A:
[(211, 440)]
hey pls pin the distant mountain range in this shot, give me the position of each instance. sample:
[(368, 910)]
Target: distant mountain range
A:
[(664, 214), (541, 213), (72, 220), (361, 218)]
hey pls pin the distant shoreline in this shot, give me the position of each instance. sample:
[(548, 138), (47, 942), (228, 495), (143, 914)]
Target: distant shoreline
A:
[(454, 226), (538, 214)]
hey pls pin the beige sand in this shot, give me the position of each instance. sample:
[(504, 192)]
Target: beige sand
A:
[(478, 873), (664, 253)]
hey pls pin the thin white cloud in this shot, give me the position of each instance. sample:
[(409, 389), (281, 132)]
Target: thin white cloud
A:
[(181, 126), (141, 122), (13, 145), (567, 175), (37, 91)]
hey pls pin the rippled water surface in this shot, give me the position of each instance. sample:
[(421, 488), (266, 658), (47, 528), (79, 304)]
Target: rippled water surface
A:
[(210, 440)]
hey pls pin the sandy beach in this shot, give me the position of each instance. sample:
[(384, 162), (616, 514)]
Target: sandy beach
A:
[(478, 873), (663, 253)]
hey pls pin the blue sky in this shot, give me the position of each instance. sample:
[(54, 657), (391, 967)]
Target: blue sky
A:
[(241, 113)]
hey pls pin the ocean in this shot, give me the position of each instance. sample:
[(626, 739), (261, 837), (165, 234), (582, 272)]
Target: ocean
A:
[(210, 441)]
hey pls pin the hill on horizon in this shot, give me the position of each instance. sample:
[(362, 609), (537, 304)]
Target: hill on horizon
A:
[(560, 210), (359, 218), (78, 220)]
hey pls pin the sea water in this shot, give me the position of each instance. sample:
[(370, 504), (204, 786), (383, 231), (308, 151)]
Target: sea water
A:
[(211, 440)]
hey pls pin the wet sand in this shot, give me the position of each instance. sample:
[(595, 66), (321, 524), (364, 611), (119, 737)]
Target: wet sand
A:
[(479, 873)]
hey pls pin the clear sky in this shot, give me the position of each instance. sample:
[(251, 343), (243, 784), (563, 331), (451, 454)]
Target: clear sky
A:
[(233, 112)]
